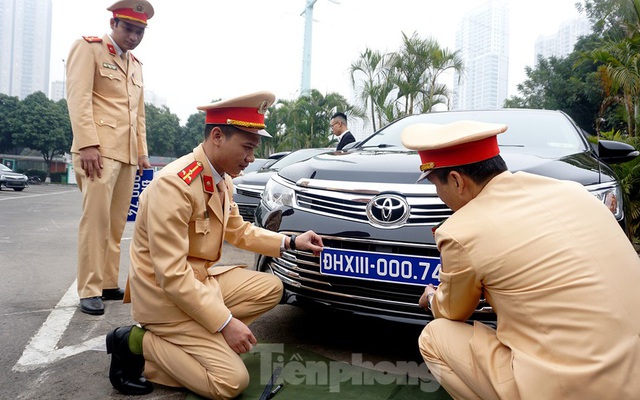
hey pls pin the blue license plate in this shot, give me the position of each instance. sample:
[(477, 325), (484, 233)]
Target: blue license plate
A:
[(386, 267)]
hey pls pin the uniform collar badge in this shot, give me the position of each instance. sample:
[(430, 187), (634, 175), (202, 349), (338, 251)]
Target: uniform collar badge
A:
[(112, 50), (191, 172), (208, 183)]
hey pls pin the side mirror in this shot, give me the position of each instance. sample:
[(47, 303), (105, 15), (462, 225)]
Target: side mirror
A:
[(613, 152)]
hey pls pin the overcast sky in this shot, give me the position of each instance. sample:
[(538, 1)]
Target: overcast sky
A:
[(198, 50)]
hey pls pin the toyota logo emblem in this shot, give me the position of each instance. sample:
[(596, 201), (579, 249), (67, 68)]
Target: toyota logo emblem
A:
[(388, 211)]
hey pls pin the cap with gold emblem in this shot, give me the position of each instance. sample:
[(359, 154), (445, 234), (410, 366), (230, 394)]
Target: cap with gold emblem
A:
[(453, 144), (134, 11), (244, 112)]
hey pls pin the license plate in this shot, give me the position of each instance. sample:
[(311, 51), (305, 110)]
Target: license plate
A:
[(386, 267)]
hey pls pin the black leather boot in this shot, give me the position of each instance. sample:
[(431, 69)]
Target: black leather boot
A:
[(125, 372)]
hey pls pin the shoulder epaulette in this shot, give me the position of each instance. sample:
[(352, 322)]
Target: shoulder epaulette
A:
[(92, 39), (135, 58), (191, 172)]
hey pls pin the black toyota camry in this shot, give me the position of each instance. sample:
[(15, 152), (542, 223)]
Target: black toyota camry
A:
[(376, 222)]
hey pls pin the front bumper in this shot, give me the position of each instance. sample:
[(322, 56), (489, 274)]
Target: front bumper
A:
[(303, 282)]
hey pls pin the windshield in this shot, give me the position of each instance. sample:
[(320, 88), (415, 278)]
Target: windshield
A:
[(4, 168), (537, 132), (296, 156)]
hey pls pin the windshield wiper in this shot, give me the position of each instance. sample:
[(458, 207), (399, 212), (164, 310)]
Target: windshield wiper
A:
[(379, 146)]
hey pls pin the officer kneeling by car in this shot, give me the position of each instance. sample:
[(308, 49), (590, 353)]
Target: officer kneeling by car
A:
[(567, 325), (193, 314)]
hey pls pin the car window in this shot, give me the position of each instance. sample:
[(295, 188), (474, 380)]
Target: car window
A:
[(547, 134)]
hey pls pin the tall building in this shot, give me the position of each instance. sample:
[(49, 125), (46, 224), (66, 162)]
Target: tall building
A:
[(482, 40), (25, 46), (561, 43), (57, 90)]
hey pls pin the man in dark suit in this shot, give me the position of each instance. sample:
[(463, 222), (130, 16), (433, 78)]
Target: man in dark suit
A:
[(341, 130)]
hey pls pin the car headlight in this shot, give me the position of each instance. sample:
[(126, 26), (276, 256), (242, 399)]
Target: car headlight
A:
[(277, 195), (611, 195), (1, 177)]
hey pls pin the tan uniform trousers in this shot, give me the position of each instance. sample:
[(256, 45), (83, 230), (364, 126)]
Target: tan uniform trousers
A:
[(446, 347), (105, 205), (185, 354)]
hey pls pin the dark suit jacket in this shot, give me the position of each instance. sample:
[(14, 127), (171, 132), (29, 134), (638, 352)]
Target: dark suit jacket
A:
[(345, 139)]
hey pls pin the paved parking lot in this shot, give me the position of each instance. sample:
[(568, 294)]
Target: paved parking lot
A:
[(52, 351)]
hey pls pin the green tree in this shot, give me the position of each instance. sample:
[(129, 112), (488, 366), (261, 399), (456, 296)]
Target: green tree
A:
[(407, 70), (566, 84), (304, 122), (308, 123), (192, 134), (440, 61), (417, 69), (9, 106), (610, 17), (44, 126), (403, 82), (371, 66), (619, 24), (163, 128), (275, 121), (621, 67)]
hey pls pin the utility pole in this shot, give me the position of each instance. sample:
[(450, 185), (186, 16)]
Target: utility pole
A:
[(64, 77), (305, 86)]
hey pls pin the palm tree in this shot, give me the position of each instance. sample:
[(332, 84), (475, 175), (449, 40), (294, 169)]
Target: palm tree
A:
[(442, 60), (371, 64), (407, 70), (620, 53), (621, 65), (303, 122)]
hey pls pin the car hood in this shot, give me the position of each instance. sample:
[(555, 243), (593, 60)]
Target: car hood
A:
[(13, 174), (259, 177), (395, 166)]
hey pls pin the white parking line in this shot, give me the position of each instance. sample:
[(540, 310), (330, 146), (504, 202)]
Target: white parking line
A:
[(21, 196), (42, 349)]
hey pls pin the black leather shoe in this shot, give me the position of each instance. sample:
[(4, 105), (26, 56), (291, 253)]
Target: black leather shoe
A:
[(92, 305), (113, 294), (125, 372)]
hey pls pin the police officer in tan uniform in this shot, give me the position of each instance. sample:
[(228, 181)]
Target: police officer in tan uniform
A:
[(549, 257), (194, 315), (106, 107)]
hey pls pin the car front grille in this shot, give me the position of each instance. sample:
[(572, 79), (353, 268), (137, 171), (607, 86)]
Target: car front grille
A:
[(248, 192), (247, 211), (423, 210), (300, 273)]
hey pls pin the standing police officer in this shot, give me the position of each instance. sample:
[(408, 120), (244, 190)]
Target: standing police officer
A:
[(106, 107)]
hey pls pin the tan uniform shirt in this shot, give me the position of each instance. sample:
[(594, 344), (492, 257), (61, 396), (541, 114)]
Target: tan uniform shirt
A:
[(106, 101), (179, 232), (562, 278)]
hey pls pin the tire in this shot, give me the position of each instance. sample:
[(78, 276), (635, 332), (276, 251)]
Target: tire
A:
[(18, 189)]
